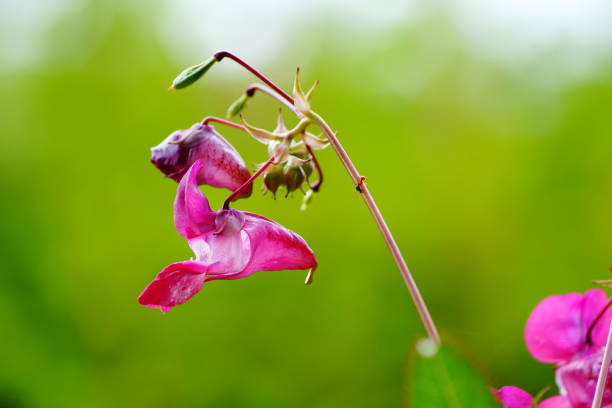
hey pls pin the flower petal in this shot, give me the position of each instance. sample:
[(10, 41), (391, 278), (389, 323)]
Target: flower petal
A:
[(554, 330), (174, 285), (274, 247), (557, 328), (595, 301), (513, 397), (192, 214), (223, 166), (557, 401)]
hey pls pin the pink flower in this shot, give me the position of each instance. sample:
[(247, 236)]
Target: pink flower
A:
[(228, 244), (514, 397), (578, 379), (570, 330), (558, 328), (222, 165)]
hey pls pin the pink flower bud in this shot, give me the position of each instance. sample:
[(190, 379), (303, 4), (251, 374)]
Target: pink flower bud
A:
[(222, 165)]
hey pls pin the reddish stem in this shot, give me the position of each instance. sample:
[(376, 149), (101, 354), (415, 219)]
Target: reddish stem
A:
[(317, 184), (247, 183), (599, 316), (222, 54), (208, 119)]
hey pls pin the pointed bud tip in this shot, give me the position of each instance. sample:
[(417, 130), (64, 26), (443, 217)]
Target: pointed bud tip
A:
[(171, 88)]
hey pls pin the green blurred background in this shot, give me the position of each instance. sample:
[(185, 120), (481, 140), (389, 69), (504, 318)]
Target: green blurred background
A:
[(486, 144)]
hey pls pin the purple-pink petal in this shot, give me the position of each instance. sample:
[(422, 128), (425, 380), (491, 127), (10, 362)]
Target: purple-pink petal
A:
[(192, 213), (514, 397), (557, 328), (223, 166), (274, 247), (174, 285), (578, 378), (558, 401)]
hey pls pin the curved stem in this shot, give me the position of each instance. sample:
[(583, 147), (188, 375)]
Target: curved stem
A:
[(247, 183), (215, 119), (317, 184), (258, 87), (223, 54), (603, 372), (382, 226)]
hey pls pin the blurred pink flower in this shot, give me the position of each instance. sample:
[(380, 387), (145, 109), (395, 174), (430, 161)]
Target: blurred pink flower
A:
[(228, 244), (571, 330), (514, 397), (222, 165), (558, 327)]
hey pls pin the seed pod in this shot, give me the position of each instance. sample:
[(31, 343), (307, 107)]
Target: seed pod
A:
[(308, 168), (294, 175), (273, 178)]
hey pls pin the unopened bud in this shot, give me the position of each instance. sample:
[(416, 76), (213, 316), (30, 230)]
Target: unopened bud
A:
[(192, 74), (238, 105), (308, 168)]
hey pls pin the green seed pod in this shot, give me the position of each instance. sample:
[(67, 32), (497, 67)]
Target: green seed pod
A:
[(237, 107), (273, 178), (294, 176), (308, 168)]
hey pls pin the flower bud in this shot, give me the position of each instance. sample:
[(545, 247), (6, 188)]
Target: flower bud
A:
[(308, 168), (238, 105), (274, 177), (192, 74), (222, 165)]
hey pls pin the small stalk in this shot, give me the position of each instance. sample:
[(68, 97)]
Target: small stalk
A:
[(247, 183), (215, 119), (225, 54), (257, 87), (603, 372)]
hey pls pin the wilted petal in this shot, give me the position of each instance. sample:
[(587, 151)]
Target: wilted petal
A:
[(514, 397), (557, 328), (174, 285), (274, 247), (192, 213), (222, 165)]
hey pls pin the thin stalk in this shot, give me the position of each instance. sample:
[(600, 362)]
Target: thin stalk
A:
[(223, 54), (317, 184), (430, 327), (247, 183), (258, 87), (209, 119), (603, 372)]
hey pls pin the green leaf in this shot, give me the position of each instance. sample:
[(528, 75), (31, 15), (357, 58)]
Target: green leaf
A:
[(440, 378)]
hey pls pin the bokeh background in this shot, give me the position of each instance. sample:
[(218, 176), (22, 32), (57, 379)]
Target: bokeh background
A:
[(484, 129)]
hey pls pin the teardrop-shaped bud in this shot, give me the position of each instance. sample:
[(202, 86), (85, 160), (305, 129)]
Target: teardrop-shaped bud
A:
[(192, 74), (238, 105), (222, 165)]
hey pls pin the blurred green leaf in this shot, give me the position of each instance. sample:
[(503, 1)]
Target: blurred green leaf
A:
[(443, 379)]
